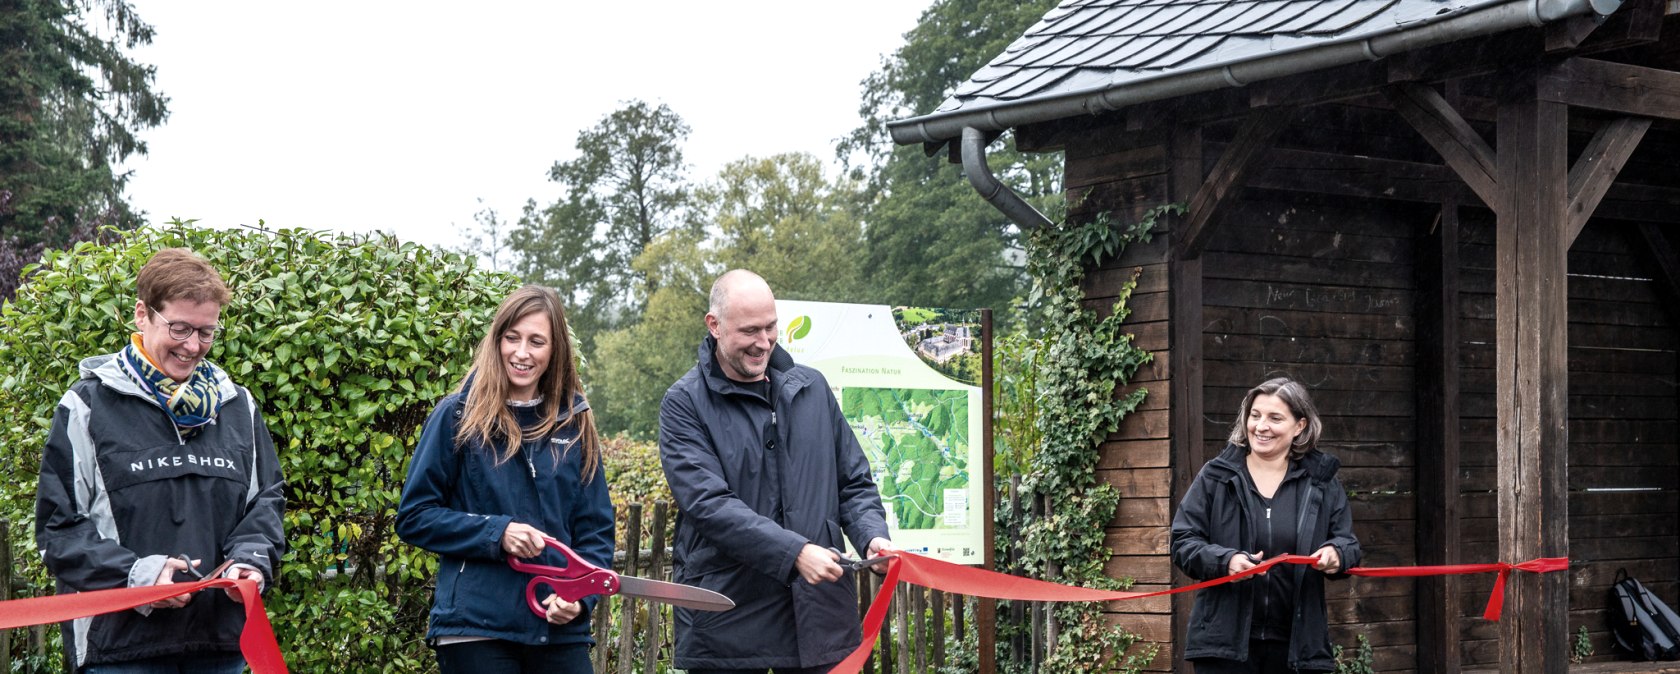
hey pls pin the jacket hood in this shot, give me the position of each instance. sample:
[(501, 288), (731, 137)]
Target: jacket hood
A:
[(1320, 466), (107, 370)]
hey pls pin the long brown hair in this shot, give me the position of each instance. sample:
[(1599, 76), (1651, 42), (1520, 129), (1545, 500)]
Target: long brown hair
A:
[(487, 417)]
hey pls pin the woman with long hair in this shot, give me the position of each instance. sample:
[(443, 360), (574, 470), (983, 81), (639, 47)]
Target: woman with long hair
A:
[(508, 459)]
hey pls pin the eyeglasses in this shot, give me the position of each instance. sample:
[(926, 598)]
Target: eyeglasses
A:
[(181, 330)]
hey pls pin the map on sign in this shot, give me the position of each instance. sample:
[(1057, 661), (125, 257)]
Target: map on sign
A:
[(917, 444)]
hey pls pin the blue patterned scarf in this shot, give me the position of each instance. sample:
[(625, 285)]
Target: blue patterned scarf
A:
[(191, 404)]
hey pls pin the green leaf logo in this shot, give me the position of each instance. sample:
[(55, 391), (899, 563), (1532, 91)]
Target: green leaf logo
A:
[(797, 329)]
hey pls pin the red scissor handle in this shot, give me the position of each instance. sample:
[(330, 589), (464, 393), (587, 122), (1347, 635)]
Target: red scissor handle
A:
[(574, 581)]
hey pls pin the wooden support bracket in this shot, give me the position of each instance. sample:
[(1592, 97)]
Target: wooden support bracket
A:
[(1256, 136), (1464, 150), (1593, 173)]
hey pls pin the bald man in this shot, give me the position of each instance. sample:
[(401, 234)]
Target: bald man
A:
[(767, 475)]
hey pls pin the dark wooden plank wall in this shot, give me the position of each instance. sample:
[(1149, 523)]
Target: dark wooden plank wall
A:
[(1323, 289), (1124, 176), (1622, 408)]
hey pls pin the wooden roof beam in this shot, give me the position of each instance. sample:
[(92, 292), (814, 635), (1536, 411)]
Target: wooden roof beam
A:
[(1614, 87), (1257, 134), (1464, 150), (1375, 178), (1635, 22), (1595, 170)]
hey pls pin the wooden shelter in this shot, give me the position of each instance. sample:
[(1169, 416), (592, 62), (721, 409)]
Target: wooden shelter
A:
[(1454, 221)]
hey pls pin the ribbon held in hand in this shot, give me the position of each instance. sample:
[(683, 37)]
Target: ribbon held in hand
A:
[(955, 578), (257, 642)]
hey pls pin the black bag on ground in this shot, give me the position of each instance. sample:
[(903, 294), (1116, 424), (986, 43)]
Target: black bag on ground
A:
[(1643, 625)]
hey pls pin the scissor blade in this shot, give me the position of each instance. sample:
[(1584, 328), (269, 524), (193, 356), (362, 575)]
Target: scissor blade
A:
[(675, 594)]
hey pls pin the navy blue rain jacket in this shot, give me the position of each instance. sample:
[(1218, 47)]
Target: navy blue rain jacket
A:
[(457, 503), (1217, 519), (752, 494)]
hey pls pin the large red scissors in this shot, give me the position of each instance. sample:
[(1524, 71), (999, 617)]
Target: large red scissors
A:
[(579, 579)]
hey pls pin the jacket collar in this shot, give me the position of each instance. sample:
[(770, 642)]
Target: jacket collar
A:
[(108, 371), (785, 376), (1318, 465)]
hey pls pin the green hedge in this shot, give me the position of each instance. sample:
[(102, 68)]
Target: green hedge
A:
[(346, 342)]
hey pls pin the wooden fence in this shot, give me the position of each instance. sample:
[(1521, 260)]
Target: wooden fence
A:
[(34, 644)]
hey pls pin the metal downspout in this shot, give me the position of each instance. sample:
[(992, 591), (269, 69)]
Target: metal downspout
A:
[(993, 190)]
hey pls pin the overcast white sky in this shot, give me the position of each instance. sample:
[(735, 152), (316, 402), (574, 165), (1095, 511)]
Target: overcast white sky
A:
[(358, 116)]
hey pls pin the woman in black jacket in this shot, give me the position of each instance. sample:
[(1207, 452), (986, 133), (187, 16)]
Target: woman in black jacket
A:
[(1270, 492)]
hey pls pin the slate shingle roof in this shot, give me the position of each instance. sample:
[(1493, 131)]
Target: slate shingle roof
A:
[(1087, 46), (1087, 43)]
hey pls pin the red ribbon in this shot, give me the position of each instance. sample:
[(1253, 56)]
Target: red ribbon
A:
[(955, 578), (257, 642)]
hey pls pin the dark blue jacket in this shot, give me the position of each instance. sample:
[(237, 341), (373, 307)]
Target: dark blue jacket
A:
[(457, 503), (749, 505), (1218, 518)]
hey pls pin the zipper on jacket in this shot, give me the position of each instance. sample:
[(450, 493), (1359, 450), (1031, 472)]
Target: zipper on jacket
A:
[(1266, 590)]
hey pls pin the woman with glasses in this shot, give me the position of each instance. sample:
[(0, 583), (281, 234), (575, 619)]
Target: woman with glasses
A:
[(158, 469), (508, 460)]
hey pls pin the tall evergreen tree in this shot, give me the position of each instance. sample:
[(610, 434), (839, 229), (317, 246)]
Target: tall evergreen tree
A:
[(72, 107)]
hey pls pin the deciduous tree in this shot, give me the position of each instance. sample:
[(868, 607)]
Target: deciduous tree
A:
[(626, 187), (931, 240)]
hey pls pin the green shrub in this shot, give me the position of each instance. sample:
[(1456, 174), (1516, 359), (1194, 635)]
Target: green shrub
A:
[(346, 342), (634, 476)]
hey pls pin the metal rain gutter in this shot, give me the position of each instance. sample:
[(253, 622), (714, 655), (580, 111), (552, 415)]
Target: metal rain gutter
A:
[(938, 128), (993, 190)]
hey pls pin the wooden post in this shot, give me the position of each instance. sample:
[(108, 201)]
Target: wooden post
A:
[(918, 618), (986, 613), (1184, 329), (866, 583), (656, 568), (1532, 374), (888, 631), (6, 592), (1438, 443), (938, 617), (901, 611), (627, 605)]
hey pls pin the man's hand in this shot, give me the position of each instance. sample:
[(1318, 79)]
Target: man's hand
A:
[(523, 540), (818, 565), (237, 572), (167, 577), (879, 546)]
